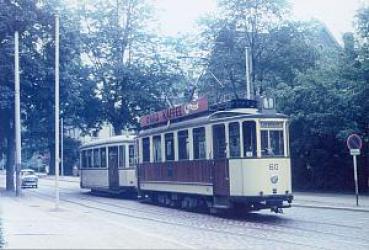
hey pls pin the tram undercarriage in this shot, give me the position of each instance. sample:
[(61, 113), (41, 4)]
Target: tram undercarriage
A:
[(216, 204)]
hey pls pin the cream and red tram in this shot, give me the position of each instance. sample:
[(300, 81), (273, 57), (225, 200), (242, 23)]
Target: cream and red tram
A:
[(231, 155), (108, 164)]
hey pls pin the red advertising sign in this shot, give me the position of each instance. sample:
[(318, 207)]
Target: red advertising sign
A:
[(193, 107)]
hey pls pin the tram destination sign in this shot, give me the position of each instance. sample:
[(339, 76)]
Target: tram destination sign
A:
[(163, 116)]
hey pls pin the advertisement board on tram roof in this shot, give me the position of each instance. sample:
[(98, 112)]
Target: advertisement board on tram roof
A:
[(163, 116)]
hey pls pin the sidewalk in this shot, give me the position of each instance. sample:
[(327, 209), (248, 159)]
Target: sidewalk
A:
[(33, 223), (331, 201)]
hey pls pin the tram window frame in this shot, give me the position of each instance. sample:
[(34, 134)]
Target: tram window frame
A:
[(169, 146), (198, 144), (269, 150), (183, 145), (146, 149), (103, 157), (96, 158), (249, 139), (231, 139), (122, 156), (156, 141), (131, 155)]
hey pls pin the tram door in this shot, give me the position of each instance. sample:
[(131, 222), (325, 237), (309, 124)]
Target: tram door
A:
[(113, 167), (221, 170)]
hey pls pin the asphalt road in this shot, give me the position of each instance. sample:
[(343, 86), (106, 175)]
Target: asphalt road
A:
[(119, 223)]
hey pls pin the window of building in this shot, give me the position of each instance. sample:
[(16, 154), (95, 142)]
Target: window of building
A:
[(169, 147), (272, 143), (131, 155), (157, 148), (249, 138), (122, 156), (234, 140), (146, 149), (96, 161), (183, 145), (199, 143), (103, 157)]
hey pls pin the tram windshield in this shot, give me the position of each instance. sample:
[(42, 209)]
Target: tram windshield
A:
[(272, 139)]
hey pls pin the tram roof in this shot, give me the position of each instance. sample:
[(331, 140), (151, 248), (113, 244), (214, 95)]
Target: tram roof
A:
[(127, 138), (216, 117)]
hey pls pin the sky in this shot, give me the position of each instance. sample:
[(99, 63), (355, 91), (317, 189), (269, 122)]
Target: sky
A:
[(180, 15)]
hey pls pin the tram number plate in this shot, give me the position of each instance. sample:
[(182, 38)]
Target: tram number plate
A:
[(273, 166)]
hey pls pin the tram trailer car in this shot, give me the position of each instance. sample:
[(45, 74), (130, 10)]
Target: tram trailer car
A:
[(107, 165), (230, 155)]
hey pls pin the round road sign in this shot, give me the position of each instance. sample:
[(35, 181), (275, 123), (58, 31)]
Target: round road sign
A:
[(354, 142)]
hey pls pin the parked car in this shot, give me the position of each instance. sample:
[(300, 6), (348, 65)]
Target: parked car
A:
[(29, 178)]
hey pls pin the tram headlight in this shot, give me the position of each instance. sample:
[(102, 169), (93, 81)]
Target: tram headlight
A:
[(274, 179)]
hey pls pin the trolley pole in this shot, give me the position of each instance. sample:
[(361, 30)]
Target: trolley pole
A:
[(57, 132), (18, 146), (248, 72)]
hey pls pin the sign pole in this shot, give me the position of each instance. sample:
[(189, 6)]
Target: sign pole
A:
[(356, 181)]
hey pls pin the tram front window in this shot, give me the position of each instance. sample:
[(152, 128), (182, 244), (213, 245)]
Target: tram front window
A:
[(249, 138), (272, 143), (234, 140)]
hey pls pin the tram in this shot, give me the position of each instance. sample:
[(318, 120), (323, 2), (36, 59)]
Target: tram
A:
[(108, 165), (230, 155)]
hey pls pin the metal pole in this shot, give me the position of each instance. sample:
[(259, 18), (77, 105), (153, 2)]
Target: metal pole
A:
[(57, 133), (62, 147), (18, 146), (248, 72), (356, 181)]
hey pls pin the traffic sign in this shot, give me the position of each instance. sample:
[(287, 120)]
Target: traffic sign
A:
[(355, 151), (354, 142)]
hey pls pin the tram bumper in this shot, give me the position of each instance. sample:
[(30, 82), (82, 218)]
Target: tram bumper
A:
[(273, 202)]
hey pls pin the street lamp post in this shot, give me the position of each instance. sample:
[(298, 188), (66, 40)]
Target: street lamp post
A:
[(18, 146), (57, 132)]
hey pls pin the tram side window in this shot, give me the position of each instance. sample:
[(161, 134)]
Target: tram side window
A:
[(183, 145), (122, 156), (157, 148), (272, 143), (234, 140), (88, 158), (169, 147), (97, 159), (199, 143), (103, 157), (146, 149), (249, 138), (131, 155), (83, 159)]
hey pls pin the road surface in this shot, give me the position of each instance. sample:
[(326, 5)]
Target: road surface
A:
[(87, 221)]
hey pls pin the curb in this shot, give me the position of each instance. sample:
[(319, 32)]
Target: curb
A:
[(352, 209)]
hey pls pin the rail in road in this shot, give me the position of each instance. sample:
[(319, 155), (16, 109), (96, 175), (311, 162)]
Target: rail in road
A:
[(259, 226)]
